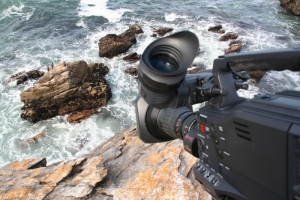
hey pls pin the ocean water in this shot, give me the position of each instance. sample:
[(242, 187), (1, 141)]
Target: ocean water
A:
[(33, 34)]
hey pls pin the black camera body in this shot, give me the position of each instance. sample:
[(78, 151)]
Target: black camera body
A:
[(248, 148), (251, 150)]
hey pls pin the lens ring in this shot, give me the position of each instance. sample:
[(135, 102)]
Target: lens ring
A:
[(165, 59)]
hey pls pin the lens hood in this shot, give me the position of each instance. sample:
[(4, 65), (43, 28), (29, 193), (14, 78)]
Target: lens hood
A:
[(163, 67)]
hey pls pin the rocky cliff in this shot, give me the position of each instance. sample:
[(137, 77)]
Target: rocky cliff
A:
[(123, 167)]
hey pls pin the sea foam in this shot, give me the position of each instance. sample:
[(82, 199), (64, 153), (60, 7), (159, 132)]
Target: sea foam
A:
[(99, 8)]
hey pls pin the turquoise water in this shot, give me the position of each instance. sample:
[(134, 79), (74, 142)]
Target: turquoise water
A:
[(33, 34)]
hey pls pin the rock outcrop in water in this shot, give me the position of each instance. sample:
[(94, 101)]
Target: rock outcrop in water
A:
[(66, 88), (123, 167), (112, 45), (292, 6), (161, 31)]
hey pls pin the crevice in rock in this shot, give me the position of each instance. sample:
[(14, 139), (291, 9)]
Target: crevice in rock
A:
[(41, 163)]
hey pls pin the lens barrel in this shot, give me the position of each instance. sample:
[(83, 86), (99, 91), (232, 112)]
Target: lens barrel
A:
[(175, 123), (163, 67)]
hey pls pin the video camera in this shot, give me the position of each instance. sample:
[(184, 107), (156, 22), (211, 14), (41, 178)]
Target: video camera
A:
[(248, 148)]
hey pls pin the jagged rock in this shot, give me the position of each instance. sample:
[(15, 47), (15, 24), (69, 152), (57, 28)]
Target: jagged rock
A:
[(256, 75), (228, 36), (66, 88), (292, 6), (24, 76), (162, 31), (31, 179), (112, 45), (153, 35), (132, 71), (133, 170), (77, 117), (133, 57), (216, 29)]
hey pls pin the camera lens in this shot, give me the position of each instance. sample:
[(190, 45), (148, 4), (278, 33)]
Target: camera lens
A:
[(176, 122), (163, 63)]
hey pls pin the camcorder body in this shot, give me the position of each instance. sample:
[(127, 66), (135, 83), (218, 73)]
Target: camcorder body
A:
[(249, 149)]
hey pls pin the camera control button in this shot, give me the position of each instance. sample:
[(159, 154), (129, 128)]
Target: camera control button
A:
[(204, 158), (215, 138), (213, 128), (219, 152)]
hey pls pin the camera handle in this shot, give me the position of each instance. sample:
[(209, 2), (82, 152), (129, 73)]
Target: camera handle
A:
[(263, 60)]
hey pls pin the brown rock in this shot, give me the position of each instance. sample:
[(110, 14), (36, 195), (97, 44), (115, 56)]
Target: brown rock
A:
[(133, 170), (292, 6), (233, 48), (228, 36), (24, 76), (65, 88), (216, 29), (162, 31), (77, 117), (133, 57), (256, 75), (112, 45), (132, 71)]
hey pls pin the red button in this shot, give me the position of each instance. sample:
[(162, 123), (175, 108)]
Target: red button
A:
[(202, 128)]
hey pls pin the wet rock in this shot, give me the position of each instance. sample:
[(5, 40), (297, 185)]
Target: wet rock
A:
[(112, 45), (229, 36), (162, 31), (24, 76), (36, 138), (233, 48), (66, 88), (153, 35), (77, 117), (133, 57), (256, 75), (216, 29), (132, 71), (133, 170), (292, 6)]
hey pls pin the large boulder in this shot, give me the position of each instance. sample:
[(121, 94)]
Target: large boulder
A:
[(66, 88), (112, 45), (122, 167), (292, 6)]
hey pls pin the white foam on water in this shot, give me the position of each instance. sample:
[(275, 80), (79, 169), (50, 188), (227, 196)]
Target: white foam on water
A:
[(170, 17), (277, 81), (99, 8), (17, 11)]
